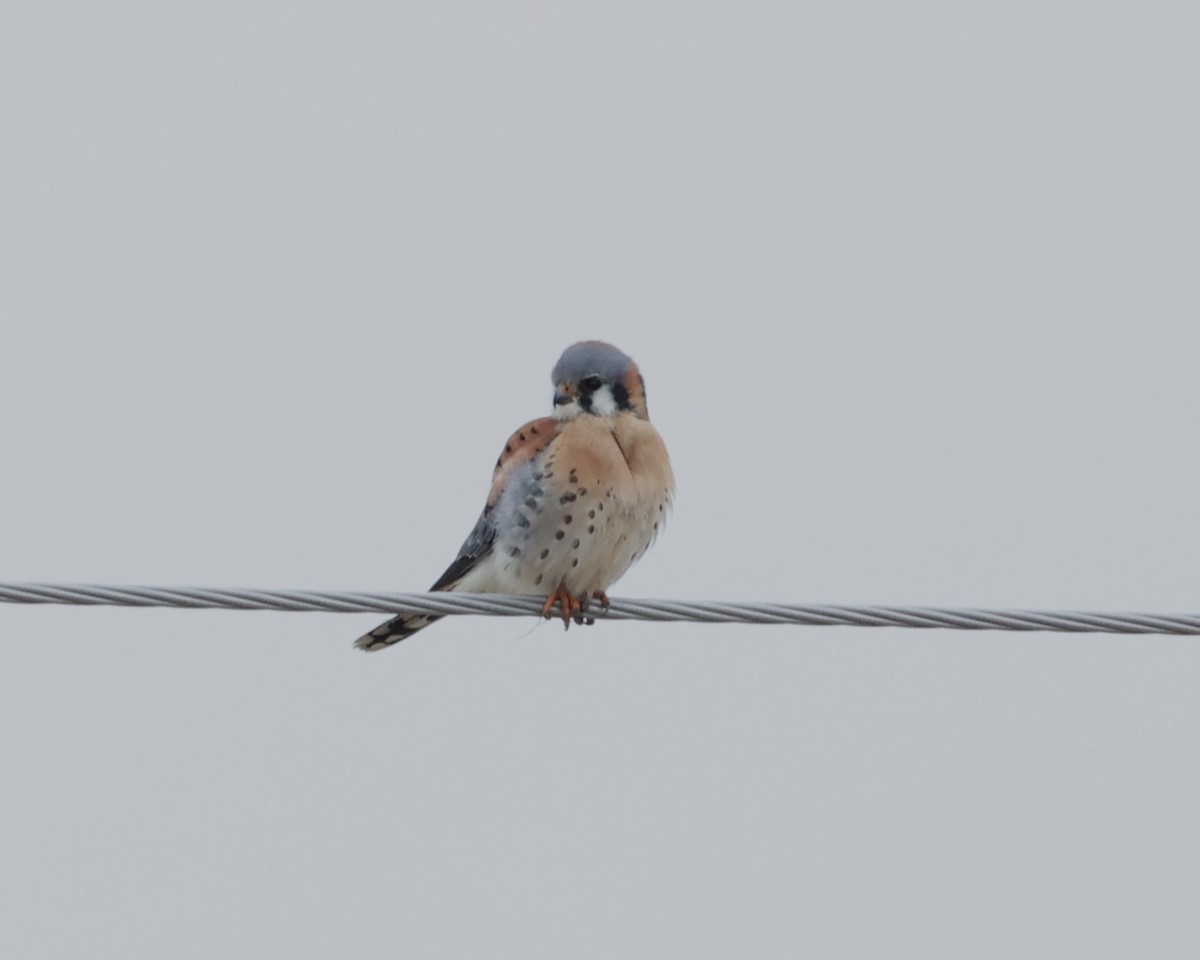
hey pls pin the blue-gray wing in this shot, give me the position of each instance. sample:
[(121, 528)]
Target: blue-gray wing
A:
[(520, 450), (475, 548)]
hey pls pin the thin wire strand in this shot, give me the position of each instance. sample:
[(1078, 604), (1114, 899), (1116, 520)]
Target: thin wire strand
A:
[(502, 605)]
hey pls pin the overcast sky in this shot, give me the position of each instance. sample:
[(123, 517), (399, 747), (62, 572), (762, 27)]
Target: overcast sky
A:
[(914, 290)]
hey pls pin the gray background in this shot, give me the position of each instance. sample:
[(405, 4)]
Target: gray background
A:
[(914, 287)]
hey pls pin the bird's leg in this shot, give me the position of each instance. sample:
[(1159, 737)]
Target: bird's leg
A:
[(568, 605)]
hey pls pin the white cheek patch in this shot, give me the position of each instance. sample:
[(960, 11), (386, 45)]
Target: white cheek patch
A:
[(568, 411), (604, 404)]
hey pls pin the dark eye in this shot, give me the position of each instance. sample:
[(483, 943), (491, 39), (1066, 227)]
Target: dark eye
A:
[(590, 384)]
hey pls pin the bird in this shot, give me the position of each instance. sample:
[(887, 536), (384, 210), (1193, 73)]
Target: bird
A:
[(576, 497)]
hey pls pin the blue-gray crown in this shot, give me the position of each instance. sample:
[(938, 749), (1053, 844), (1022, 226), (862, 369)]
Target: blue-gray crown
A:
[(591, 358)]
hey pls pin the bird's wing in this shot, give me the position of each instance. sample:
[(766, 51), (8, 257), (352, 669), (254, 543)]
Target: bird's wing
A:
[(525, 444), (520, 450)]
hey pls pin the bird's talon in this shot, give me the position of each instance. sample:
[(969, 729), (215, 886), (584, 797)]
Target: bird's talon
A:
[(569, 607)]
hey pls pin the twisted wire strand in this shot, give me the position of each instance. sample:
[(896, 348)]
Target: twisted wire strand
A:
[(502, 605)]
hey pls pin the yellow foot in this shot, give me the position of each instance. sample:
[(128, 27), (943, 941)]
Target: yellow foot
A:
[(569, 607)]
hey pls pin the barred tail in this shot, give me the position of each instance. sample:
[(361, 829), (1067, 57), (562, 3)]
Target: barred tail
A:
[(397, 629)]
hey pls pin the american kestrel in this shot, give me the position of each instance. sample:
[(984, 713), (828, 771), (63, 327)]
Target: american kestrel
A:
[(576, 497)]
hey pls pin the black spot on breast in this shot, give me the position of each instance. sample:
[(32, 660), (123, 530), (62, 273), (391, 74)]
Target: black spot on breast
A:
[(559, 534)]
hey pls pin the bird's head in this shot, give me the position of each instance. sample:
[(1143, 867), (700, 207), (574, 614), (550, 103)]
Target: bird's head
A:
[(595, 378)]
